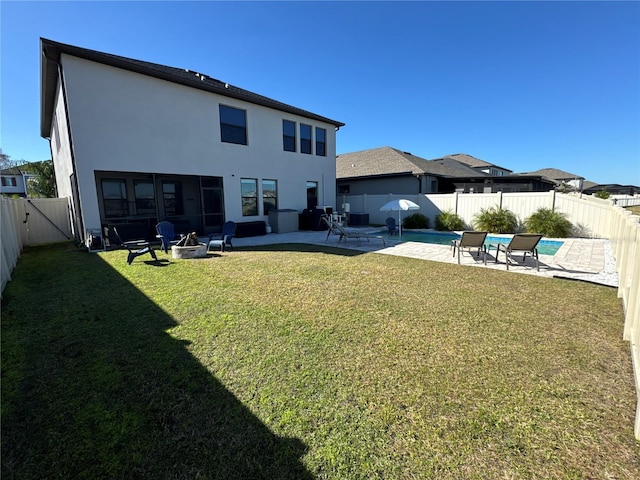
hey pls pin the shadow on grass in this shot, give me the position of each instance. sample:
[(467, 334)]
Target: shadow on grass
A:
[(301, 247), (95, 387)]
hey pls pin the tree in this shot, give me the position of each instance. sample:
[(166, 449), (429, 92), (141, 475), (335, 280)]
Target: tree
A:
[(43, 184), (7, 162)]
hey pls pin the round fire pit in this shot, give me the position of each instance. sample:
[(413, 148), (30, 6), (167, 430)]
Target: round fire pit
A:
[(189, 251)]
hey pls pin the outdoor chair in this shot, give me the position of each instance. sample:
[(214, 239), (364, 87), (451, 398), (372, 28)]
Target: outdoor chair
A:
[(336, 229), (134, 247), (391, 225), (223, 240), (167, 235), (470, 240), (521, 242)]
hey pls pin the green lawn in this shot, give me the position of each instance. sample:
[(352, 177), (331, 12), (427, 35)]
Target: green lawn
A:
[(302, 362)]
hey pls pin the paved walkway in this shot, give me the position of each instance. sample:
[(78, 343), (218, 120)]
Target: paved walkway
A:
[(578, 258)]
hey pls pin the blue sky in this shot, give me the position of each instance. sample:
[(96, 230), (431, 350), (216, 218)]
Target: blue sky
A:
[(523, 85)]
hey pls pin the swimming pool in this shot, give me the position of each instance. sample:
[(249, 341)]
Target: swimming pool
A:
[(545, 247)]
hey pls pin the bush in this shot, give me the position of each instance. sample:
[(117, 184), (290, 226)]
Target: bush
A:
[(602, 194), (417, 220), (549, 223), (496, 220), (449, 221)]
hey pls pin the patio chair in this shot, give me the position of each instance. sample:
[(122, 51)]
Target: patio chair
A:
[(391, 225), (223, 240), (470, 240), (336, 229), (521, 242), (167, 235), (134, 247)]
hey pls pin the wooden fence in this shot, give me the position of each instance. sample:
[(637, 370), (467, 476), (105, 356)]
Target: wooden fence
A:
[(27, 222)]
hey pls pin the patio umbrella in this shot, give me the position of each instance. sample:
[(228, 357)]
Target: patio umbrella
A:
[(400, 204)]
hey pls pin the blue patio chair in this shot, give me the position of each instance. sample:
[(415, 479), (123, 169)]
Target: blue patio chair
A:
[(391, 225), (166, 234), (223, 240)]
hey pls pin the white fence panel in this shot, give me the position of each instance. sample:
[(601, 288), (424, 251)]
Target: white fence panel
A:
[(27, 222), (590, 216), (11, 239)]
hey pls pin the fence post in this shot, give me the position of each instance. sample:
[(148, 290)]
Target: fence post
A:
[(456, 201), (552, 194)]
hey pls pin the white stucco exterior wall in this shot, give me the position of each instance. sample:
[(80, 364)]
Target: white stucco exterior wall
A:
[(125, 121)]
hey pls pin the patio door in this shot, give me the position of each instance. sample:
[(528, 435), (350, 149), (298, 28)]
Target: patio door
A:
[(212, 203)]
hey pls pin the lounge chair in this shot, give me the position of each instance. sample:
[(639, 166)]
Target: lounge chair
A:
[(470, 240), (521, 242), (167, 235), (223, 240), (134, 247), (336, 229), (391, 225)]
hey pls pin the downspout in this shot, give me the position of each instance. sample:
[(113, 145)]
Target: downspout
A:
[(79, 215)]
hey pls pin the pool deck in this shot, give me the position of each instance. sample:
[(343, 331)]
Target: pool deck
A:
[(578, 258)]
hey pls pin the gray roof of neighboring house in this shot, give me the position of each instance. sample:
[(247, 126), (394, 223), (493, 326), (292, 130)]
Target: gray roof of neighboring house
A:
[(383, 161), (451, 167), (51, 52), (473, 161), (554, 174)]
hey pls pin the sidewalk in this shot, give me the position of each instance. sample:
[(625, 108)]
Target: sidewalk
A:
[(578, 258)]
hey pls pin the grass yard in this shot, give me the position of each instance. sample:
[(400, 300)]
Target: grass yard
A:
[(303, 362)]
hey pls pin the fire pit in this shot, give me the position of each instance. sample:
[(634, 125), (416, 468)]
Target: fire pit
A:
[(189, 247)]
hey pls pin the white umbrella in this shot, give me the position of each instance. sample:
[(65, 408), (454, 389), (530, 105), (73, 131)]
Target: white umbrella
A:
[(400, 205)]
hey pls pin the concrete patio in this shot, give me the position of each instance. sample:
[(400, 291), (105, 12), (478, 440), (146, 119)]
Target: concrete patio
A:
[(578, 258)]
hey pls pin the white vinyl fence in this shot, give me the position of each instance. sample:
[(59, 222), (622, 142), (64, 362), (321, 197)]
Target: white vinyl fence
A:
[(27, 222)]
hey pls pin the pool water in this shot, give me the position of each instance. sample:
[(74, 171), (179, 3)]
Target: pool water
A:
[(545, 247)]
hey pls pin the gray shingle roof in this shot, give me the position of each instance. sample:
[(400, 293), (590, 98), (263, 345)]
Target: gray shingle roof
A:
[(554, 174), (382, 161), (473, 161), (51, 57)]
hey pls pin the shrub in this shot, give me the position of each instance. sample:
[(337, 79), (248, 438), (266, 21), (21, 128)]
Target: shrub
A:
[(496, 220), (602, 194), (449, 221), (549, 223), (417, 220)]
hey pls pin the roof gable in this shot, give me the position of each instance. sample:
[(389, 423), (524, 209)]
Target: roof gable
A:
[(50, 61), (556, 174)]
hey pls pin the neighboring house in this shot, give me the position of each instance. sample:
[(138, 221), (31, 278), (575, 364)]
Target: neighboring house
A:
[(134, 141), (388, 170), (613, 189), (480, 165), (385, 170), (14, 182), (564, 180)]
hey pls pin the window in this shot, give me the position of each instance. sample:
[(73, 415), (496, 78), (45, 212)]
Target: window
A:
[(289, 135), (344, 188), (172, 198), (269, 195), (145, 198), (321, 142), (114, 197), (233, 125), (305, 138), (9, 182), (312, 194), (249, 190)]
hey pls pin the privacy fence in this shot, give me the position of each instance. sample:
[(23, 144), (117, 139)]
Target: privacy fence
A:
[(28, 222)]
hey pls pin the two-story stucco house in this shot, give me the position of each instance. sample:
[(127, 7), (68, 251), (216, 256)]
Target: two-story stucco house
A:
[(134, 141)]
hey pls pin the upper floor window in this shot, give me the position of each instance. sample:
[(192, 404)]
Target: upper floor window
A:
[(289, 135), (321, 142), (233, 125), (9, 182), (305, 138), (249, 191)]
